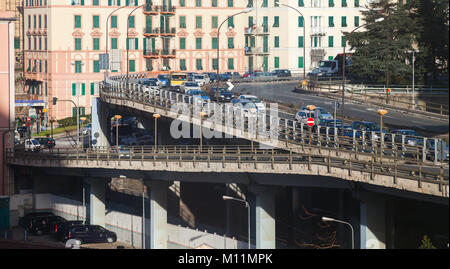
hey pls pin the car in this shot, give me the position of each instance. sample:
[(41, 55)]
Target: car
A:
[(191, 76), (302, 116), (314, 72), (442, 149), (224, 94), (87, 129), (61, 227), (189, 85), (25, 220), (163, 80), (212, 76), (29, 145), (412, 138), (247, 106), (236, 75), (148, 81), (332, 123), (369, 127), (201, 79), (43, 224), (282, 73), (198, 96), (322, 113), (89, 234), (46, 142), (259, 104), (224, 77)]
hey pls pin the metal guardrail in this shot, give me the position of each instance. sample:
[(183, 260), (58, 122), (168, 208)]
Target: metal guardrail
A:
[(239, 155)]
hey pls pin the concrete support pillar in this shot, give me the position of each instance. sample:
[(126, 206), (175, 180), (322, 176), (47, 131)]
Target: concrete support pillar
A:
[(372, 222), (265, 217), (158, 213), (100, 123), (97, 200)]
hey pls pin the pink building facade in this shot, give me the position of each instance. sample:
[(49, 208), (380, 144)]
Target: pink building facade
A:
[(7, 91)]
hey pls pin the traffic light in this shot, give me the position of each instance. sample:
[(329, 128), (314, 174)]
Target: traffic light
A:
[(54, 100)]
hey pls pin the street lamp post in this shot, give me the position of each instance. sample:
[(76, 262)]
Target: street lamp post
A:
[(310, 108), (156, 116), (247, 10), (82, 135), (325, 219), (202, 114), (225, 197), (117, 117), (381, 112), (413, 80), (304, 36)]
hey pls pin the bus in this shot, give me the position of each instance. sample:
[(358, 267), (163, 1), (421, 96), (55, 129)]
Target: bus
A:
[(177, 79)]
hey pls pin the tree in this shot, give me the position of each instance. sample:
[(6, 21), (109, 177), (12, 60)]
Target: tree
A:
[(380, 50), (426, 243)]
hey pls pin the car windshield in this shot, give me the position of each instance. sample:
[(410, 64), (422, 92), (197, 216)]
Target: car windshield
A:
[(302, 114), (152, 83), (191, 84), (34, 141), (371, 127), (325, 64), (179, 77), (254, 99), (199, 77), (248, 105), (163, 76)]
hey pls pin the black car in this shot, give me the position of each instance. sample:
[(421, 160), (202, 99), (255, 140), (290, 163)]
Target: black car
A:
[(46, 142), (224, 94), (282, 73), (90, 234), (43, 224), (25, 221), (61, 228)]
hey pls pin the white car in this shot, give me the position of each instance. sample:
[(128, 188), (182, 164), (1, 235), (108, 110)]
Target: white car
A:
[(249, 108), (201, 79), (302, 116), (189, 85), (259, 104)]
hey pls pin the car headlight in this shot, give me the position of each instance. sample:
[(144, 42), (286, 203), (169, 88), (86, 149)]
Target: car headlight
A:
[(222, 96)]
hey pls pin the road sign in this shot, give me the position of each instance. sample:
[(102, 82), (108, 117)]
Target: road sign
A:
[(310, 122), (230, 86)]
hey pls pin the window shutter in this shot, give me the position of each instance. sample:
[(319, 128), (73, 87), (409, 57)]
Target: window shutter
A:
[(83, 89), (92, 88), (74, 89)]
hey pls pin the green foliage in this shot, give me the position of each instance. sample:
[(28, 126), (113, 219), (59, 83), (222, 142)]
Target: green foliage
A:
[(70, 121), (426, 243)]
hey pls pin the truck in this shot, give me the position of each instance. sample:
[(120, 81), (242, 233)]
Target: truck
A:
[(334, 67), (29, 145)]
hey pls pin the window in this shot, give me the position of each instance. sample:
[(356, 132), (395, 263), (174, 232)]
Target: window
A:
[(250, 21), (77, 66), (113, 2), (183, 64), (34, 21), (343, 21), (29, 21), (265, 43), (300, 62), (214, 22), (198, 3), (17, 43), (214, 63), (300, 3), (230, 3), (198, 64), (276, 21), (330, 21), (198, 43), (182, 3), (344, 3), (356, 20), (113, 43), (182, 43), (330, 41), (95, 2), (300, 22), (198, 22), (330, 3), (214, 3), (96, 43), (77, 21), (94, 88), (276, 4), (231, 22), (77, 43), (132, 66), (132, 44), (45, 21), (230, 63), (265, 24), (276, 42), (40, 21), (276, 61), (356, 3), (214, 43), (131, 22), (96, 21), (231, 43), (264, 3), (113, 21), (250, 3), (40, 43), (300, 41), (343, 41), (96, 66), (182, 21)]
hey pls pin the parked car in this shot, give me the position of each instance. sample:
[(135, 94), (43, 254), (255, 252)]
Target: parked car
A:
[(29, 145), (89, 234), (43, 224), (281, 73), (163, 80), (259, 104), (46, 142), (224, 94), (189, 85), (61, 227), (201, 79), (25, 220)]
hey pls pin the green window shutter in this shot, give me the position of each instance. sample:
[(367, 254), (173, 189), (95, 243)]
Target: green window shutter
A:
[(277, 62), (264, 3), (230, 3), (83, 91), (17, 43), (92, 88), (144, 43), (344, 3), (198, 3), (214, 23), (250, 21), (265, 43), (153, 43), (182, 43), (131, 21), (77, 66), (148, 23), (330, 41), (356, 3), (132, 66), (113, 21), (198, 43), (230, 63), (95, 21), (231, 43), (74, 90), (136, 43), (343, 21), (343, 41), (198, 21), (276, 21), (74, 111), (300, 62), (300, 41), (214, 43), (276, 4), (356, 21), (77, 21), (214, 63), (95, 2), (266, 24), (231, 22), (96, 44), (182, 21), (118, 2), (96, 66), (113, 43), (331, 3), (77, 43), (214, 3), (182, 3), (330, 58), (330, 21), (276, 42), (183, 64), (300, 22), (109, 3), (199, 64), (265, 64), (300, 3)]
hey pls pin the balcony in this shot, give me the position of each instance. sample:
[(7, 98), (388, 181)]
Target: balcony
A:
[(168, 53), (151, 53), (167, 10), (151, 32), (316, 52), (256, 51), (256, 30), (167, 31), (29, 75), (151, 10), (318, 30)]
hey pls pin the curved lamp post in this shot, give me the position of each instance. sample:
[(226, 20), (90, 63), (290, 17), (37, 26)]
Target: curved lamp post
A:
[(225, 197), (247, 10), (304, 36), (325, 219)]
